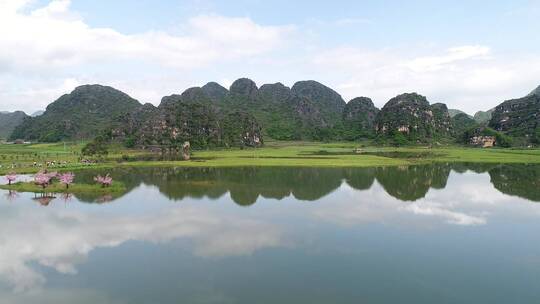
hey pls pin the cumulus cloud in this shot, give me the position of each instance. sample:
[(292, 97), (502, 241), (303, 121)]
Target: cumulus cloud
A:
[(54, 36), (42, 49), (469, 77), (52, 44)]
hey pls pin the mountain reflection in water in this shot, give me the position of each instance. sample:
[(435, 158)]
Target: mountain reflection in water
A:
[(246, 185), (442, 233)]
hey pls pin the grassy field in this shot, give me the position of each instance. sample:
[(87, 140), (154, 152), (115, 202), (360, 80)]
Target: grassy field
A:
[(20, 158)]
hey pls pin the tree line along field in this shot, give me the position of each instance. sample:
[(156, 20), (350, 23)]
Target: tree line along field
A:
[(64, 157)]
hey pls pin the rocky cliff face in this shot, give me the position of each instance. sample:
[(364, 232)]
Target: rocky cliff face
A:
[(518, 117), (326, 100), (195, 94), (187, 118), (9, 121), (275, 93), (359, 117), (215, 91), (308, 113), (412, 116), (441, 119), (129, 125), (83, 113), (241, 129), (303, 112), (244, 87)]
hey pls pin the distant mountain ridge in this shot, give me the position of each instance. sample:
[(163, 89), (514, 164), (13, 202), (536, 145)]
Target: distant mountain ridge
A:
[(307, 111), (535, 91), (37, 113), (304, 111), (518, 117), (8, 122), (83, 113), (454, 112), (483, 117)]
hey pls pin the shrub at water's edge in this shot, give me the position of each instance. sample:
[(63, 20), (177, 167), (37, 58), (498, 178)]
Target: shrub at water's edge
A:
[(116, 187)]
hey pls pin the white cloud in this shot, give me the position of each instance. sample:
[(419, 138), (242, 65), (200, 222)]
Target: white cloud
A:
[(45, 47), (62, 238), (42, 49), (452, 217), (54, 36), (470, 77), (452, 56)]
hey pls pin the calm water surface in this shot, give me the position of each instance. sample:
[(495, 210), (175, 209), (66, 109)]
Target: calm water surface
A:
[(427, 234)]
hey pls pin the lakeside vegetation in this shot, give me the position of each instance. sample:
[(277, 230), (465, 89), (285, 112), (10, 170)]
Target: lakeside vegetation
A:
[(67, 157), (77, 189)]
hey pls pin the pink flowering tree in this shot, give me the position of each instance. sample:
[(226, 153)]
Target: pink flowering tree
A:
[(11, 177), (66, 179), (42, 179), (105, 181), (52, 175)]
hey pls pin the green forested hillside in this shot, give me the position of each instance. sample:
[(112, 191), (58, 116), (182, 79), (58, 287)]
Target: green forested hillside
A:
[(519, 118), (309, 110), (410, 117), (8, 122), (81, 114)]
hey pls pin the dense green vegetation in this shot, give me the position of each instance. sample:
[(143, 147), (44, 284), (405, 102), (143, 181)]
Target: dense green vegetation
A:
[(483, 117), (519, 118), (243, 116), (8, 122), (190, 117), (519, 180), (82, 114), (409, 118), (359, 119), (454, 112), (501, 139), (462, 123)]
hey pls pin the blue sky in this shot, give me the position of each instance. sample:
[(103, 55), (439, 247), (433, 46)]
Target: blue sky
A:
[(503, 24), (469, 54)]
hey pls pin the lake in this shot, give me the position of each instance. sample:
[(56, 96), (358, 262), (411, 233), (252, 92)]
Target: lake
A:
[(444, 233)]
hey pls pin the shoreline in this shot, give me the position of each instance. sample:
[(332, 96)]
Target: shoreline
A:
[(30, 187)]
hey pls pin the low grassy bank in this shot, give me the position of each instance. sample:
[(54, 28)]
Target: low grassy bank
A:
[(88, 189), (274, 154)]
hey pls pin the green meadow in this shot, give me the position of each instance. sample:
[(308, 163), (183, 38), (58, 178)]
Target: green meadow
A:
[(21, 158)]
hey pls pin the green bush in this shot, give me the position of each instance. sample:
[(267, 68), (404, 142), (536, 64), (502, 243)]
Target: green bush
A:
[(398, 139), (96, 147)]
